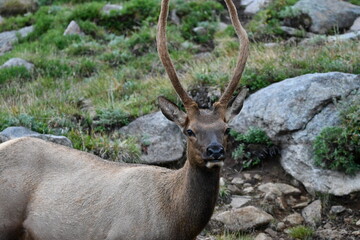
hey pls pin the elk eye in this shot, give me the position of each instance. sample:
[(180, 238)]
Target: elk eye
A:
[(227, 131), (190, 133)]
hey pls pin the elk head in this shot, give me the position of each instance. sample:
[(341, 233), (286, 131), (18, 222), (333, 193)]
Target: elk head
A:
[(206, 130)]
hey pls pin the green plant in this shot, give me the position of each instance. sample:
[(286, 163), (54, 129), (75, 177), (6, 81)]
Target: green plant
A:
[(198, 14), (301, 232), (16, 73), (338, 148), (266, 23), (244, 152), (108, 119)]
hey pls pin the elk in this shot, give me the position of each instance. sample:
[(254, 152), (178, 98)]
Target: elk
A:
[(48, 191)]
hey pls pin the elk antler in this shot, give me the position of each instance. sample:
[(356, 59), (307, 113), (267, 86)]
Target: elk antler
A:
[(243, 55), (165, 57)]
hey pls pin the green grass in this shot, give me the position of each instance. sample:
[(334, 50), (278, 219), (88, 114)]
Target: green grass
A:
[(301, 232)]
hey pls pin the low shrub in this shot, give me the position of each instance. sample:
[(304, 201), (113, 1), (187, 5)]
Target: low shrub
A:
[(338, 148), (253, 146)]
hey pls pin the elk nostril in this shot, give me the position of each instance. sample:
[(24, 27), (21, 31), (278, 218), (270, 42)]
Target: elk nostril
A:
[(215, 151)]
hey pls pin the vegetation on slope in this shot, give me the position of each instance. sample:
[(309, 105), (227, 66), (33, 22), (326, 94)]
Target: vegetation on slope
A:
[(86, 86)]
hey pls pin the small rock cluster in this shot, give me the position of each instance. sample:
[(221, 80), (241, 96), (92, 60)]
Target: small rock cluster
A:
[(269, 210)]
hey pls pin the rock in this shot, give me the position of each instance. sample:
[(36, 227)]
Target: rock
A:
[(262, 236), (253, 6), (111, 7), (248, 190), (162, 136), (294, 219), (292, 113), (312, 213), (238, 181), (243, 219), (200, 30), (358, 223), (274, 190), (18, 132), (73, 29), (3, 138), (239, 201), (222, 26), (234, 189), (9, 37), (18, 62), (174, 17), (337, 209), (7, 47), (331, 234), (14, 7), (344, 37), (356, 25), (280, 226), (326, 15)]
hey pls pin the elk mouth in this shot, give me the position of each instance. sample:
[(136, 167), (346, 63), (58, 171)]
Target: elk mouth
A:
[(211, 163)]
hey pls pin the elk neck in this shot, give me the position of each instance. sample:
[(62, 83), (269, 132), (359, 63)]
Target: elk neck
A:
[(196, 187)]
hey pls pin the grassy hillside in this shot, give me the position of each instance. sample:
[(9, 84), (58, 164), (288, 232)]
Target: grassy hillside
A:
[(83, 87)]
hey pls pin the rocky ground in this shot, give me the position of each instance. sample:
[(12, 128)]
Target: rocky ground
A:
[(267, 202)]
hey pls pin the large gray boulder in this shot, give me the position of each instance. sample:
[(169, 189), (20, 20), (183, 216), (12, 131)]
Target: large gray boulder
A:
[(254, 6), (14, 7), (165, 143), (9, 37), (18, 132), (293, 112), (326, 15)]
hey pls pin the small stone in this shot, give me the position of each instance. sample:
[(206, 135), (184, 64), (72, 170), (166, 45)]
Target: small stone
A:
[(312, 213), (262, 236), (294, 219), (247, 176), (271, 232), (18, 62), (257, 177), (327, 226), (337, 209), (248, 190), (280, 226), (237, 181), (234, 189), (111, 7), (247, 185), (73, 29), (356, 233), (200, 30), (222, 182), (242, 219), (358, 223), (239, 201)]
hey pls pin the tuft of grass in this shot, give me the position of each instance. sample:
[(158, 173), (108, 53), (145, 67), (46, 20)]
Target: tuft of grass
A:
[(16, 73), (301, 232)]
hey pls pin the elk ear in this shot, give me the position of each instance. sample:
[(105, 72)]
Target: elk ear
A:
[(172, 112), (236, 105)]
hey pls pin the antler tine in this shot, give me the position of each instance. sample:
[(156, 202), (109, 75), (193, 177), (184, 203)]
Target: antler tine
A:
[(243, 55), (165, 57)]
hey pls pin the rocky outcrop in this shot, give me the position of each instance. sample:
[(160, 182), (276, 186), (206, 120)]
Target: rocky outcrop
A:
[(293, 112), (326, 15), (162, 139), (18, 132), (14, 7)]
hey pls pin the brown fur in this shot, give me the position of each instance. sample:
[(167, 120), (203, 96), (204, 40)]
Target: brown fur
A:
[(52, 192)]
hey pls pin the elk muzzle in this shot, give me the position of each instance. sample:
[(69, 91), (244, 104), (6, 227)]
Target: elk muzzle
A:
[(214, 155)]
